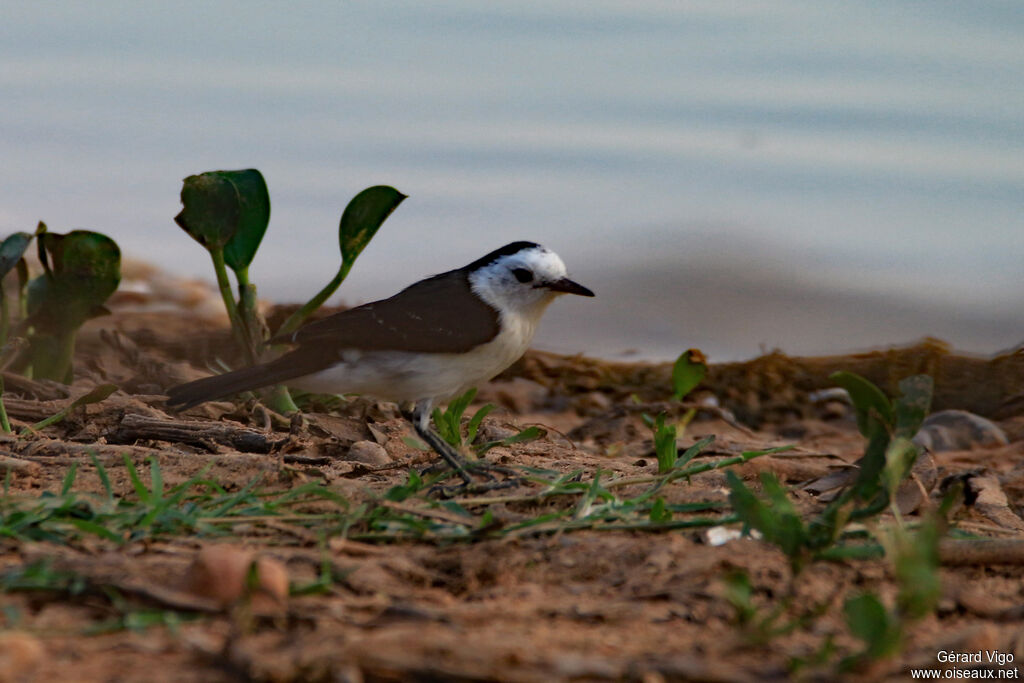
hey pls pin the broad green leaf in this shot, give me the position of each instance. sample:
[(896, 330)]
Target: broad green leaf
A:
[(912, 407), (253, 217), (84, 269), (869, 403), (687, 372), (212, 209), (12, 249), (363, 217)]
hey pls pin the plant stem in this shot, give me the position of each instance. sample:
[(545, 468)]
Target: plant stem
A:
[(296, 319), (52, 360), (279, 399), (22, 269), (623, 481), (5, 314), (229, 300), (5, 424), (253, 324)]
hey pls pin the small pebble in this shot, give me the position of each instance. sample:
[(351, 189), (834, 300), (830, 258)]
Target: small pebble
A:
[(369, 453), (219, 573)]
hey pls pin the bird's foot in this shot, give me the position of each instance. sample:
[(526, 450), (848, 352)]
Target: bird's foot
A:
[(478, 476)]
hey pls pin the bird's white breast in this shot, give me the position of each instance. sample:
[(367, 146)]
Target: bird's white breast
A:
[(407, 376)]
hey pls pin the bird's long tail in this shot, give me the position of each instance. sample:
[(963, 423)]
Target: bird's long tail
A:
[(245, 379)]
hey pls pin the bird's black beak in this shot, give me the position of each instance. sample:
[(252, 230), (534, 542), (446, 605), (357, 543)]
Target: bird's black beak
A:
[(567, 286)]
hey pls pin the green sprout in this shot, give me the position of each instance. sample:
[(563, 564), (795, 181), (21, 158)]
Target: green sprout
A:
[(888, 425), (449, 422), (81, 270), (915, 562), (666, 443), (449, 426), (687, 372), (12, 251), (359, 223), (228, 212)]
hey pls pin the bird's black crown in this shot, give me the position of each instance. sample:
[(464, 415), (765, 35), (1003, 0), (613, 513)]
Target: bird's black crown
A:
[(506, 250)]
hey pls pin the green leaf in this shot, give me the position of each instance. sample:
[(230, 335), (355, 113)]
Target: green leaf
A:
[(101, 471), (69, 479), (869, 403), (900, 456), (787, 530), (412, 486), (779, 522), (751, 511), (687, 372), (415, 443), (868, 620), (866, 617), (96, 529), (474, 424), (212, 209), (253, 217), (912, 407), (12, 249), (363, 217), (694, 450), (96, 395), (140, 489), (83, 270), (659, 511), (665, 449), (916, 565), (739, 593), (359, 223)]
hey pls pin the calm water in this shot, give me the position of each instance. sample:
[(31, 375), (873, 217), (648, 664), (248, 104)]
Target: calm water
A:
[(816, 176)]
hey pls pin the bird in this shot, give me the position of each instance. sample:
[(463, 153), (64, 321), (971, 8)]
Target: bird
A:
[(432, 341)]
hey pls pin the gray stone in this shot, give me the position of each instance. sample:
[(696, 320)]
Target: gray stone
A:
[(958, 430)]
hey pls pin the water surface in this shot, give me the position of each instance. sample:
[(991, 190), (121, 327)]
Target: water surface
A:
[(814, 176)]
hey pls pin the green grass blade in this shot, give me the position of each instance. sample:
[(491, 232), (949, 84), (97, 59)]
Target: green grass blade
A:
[(69, 479), (140, 489)]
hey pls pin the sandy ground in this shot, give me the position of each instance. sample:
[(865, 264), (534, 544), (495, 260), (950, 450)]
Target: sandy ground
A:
[(544, 604)]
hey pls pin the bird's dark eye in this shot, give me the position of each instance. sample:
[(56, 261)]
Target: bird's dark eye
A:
[(522, 274)]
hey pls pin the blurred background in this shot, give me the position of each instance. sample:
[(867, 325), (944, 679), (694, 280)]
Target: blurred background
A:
[(817, 176)]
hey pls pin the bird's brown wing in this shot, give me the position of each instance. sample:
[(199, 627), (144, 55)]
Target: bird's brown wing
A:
[(437, 315)]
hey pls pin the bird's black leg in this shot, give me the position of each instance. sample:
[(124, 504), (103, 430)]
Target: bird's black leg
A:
[(419, 416)]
